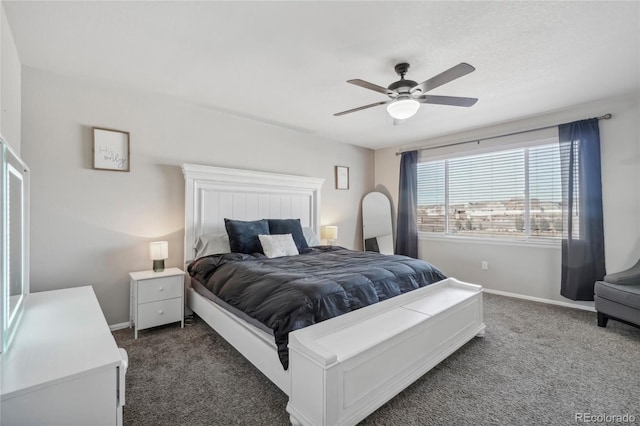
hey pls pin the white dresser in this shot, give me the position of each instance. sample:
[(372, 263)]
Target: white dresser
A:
[(157, 298), (64, 366)]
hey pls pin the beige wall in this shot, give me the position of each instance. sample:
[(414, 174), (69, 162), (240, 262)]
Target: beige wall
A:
[(10, 82), (534, 270), (93, 227)]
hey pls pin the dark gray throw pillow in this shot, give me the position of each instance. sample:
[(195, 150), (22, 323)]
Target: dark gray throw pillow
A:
[(243, 235), (289, 226)]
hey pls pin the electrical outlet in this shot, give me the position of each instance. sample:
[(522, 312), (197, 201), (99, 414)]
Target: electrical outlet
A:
[(484, 265)]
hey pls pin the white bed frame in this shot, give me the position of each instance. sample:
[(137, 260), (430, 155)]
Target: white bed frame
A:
[(342, 369)]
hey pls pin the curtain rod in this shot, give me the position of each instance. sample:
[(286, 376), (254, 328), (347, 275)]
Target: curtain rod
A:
[(603, 117)]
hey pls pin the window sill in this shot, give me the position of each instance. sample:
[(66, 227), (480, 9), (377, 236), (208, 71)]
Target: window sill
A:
[(544, 244)]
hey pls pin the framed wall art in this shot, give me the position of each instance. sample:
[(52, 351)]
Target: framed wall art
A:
[(110, 149), (342, 177)]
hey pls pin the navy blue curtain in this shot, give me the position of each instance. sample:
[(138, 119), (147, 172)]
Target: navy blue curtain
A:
[(407, 233), (583, 242)]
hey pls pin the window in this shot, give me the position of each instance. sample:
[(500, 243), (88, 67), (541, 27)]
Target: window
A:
[(512, 194)]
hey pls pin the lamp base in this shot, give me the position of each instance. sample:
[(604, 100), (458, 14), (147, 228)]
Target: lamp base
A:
[(158, 265)]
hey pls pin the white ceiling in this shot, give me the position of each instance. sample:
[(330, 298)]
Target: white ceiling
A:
[(286, 63)]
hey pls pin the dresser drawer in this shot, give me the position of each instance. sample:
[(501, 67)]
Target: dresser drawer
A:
[(158, 313), (160, 288)]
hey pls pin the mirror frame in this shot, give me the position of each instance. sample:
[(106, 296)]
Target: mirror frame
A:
[(12, 165), (377, 222)]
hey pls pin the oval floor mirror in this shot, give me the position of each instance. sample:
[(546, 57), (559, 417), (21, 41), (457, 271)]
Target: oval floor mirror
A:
[(376, 223)]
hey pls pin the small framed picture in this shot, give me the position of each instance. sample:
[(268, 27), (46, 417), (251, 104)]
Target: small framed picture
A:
[(342, 177), (110, 149)]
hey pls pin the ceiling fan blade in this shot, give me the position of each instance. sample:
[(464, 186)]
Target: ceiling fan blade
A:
[(451, 74), (372, 86), (447, 100), (360, 108)]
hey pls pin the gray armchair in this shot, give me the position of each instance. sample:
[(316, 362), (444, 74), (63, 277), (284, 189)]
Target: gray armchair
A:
[(617, 297)]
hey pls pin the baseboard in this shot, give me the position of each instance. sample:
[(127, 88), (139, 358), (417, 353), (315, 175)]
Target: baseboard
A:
[(120, 326), (540, 299)]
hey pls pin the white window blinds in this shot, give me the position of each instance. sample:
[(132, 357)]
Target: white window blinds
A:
[(512, 193), (431, 197), (486, 194)]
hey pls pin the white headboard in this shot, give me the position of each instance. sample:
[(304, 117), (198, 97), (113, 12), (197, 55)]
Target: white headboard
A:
[(215, 193)]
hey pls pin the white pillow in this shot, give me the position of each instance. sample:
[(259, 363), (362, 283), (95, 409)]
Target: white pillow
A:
[(310, 236), (212, 244), (278, 245)]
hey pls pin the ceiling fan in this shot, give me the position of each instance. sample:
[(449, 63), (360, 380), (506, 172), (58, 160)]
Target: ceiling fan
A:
[(405, 96)]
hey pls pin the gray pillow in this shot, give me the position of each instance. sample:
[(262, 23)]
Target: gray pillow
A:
[(310, 236), (209, 244)]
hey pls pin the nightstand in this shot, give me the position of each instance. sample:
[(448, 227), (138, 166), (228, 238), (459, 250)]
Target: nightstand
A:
[(157, 298)]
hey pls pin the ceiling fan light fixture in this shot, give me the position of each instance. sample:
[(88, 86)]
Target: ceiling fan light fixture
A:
[(407, 95), (401, 109)]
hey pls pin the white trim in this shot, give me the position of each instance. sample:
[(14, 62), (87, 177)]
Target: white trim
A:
[(119, 326), (249, 177), (541, 300)]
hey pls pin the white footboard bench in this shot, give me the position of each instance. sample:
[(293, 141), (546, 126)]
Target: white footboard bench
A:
[(343, 369)]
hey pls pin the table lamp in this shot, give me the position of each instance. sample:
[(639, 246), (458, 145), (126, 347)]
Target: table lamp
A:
[(330, 233), (158, 252)]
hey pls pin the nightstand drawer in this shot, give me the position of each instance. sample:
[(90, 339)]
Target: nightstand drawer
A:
[(160, 288), (158, 313)]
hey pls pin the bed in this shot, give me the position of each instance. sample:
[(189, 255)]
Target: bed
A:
[(338, 370)]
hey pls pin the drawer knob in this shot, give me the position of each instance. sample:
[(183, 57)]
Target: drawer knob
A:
[(161, 289), (160, 311)]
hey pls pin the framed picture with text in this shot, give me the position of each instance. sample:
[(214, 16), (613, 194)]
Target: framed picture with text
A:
[(110, 149), (342, 177)]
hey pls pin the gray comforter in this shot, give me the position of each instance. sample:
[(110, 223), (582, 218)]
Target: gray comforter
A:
[(289, 293)]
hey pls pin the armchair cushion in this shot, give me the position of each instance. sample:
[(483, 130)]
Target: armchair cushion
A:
[(628, 295)]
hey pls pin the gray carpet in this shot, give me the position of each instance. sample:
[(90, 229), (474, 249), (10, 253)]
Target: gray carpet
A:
[(537, 364)]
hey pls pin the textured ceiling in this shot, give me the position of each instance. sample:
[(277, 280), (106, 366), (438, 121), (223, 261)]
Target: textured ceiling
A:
[(286, 63)]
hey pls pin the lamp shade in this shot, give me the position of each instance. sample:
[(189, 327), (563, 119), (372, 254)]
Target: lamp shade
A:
[(158, 250), (330, 232), (403, 108)]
